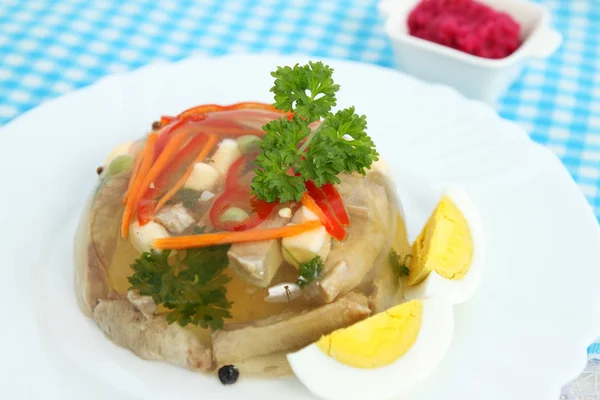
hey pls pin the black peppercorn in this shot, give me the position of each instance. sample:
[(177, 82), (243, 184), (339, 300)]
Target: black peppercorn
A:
[(156, 125), (228, 374)]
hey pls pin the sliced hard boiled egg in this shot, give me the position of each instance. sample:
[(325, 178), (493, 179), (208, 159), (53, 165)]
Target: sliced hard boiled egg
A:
[(447, 259), (227, 153), (203, 177), (380, 357)]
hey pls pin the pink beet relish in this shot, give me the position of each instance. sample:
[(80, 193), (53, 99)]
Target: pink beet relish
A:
[(466, 25)]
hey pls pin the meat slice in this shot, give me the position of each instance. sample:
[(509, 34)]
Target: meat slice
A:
[(145, 304), (151, 337), (288, 331), (175, 218), (96, 241), (349, 262), (91, 281), (356, 260), (354, 195), (258, 262)]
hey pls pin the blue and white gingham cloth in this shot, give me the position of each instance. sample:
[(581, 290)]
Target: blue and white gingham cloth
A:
[(50, 47)]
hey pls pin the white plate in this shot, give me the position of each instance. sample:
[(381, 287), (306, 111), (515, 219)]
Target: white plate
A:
[(538, 301)]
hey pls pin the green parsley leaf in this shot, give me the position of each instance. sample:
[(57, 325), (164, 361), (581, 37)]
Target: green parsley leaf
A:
[(189, 197), (309, 271), (308, 91), (352, 144), (194, 288), (279, 154), (292, 154), (399, 264)]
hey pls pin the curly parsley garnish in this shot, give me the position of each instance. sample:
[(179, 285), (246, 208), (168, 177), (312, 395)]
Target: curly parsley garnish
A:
[(399, 264), (309, 271), (188, 197), (193, 288), (292, 153)]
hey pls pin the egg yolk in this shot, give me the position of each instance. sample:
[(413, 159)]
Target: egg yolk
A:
[(445, 245), (378, 340)]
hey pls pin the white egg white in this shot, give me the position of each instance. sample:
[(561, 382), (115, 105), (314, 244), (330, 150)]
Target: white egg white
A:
[(436, 286), (330, 379), (143, 236)]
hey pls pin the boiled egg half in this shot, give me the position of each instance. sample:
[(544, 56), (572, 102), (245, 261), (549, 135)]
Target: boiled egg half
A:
[(378, 358), (447, 256)]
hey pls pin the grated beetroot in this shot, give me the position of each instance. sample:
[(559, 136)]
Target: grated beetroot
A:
[(466, 25)]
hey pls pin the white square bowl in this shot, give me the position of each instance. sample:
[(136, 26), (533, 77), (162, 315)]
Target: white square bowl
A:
[(476, 77)]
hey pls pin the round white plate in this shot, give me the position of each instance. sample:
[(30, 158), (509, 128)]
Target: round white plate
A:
[(521, 337)]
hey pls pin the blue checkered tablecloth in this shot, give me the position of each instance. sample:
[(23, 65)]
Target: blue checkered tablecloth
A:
[(50, 47)]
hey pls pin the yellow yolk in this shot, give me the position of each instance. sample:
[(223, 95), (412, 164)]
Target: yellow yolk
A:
[(445, 245), (377, 341)]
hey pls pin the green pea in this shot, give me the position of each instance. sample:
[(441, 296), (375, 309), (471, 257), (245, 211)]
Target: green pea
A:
[(249, 144), (119, 164), (234, 214)]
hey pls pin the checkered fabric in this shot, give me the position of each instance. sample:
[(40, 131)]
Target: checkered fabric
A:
[(50, 47)]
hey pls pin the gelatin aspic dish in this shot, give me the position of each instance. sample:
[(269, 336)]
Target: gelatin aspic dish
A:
[(254, 241)]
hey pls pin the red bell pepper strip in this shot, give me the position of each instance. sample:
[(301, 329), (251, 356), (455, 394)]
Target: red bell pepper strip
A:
[(336, 203), (145, 211), (252, 105), (215, 108), (169, 130), (202, 109), (237, 195), (249, 105), (235, 171), (331, 223)]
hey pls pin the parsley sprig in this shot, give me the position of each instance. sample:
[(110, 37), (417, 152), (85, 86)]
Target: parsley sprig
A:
[(193, 288), (399, 264), (292, 153), (309, 271)]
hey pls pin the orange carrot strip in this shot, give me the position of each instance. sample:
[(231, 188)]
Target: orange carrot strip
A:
[(146, 164), (162, 162), (211, 239), (134, 174), (212, 140)]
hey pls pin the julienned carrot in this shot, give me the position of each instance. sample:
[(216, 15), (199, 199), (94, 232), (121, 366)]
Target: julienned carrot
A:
[(172, 128), (333, 226), (211, 239), (134, 174), (147, 160), (162, 161), (212, 140)]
